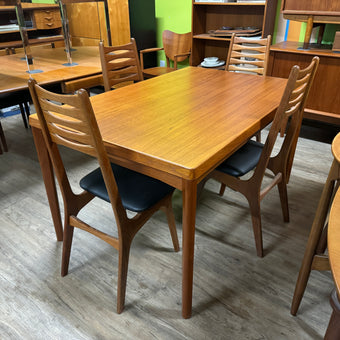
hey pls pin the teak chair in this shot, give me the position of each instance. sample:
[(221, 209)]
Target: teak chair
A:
[(177, 48), (248, 56), (69, 120), (120, 64), (257, 156)]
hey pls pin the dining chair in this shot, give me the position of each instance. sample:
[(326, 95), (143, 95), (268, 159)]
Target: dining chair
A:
[(120, 64), (247, 55), (256, 157), (177, 48), (315, 256), (69, 120)]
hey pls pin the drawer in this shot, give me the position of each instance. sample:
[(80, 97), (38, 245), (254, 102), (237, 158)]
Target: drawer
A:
[(46, 16), (47, 24)]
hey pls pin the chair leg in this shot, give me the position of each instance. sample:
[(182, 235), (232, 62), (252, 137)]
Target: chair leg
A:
[(171, 223), (333, 329), (257, 227), (258, 136), (23, 115), (68, 236), (27, 111), (3, 140), (282, 186), (222, 189), (124, 253)]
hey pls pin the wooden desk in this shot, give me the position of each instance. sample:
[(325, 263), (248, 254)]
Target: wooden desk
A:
[(177, 128), (13, 75)]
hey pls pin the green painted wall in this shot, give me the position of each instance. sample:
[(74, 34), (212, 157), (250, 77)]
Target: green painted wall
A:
[(173, 15)]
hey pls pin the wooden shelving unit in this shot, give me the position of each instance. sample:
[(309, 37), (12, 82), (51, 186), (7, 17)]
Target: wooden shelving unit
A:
[(44, 20), (208, 16)]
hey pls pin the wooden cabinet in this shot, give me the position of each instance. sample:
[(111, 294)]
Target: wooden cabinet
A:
[(208, 16), (323, 103), (43, 24)]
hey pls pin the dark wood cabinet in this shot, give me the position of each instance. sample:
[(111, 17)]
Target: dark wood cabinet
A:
[(324, 100)]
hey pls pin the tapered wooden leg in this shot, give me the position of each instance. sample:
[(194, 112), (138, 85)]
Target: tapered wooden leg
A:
[(222, 189), (67, 244), (333, 329), (282, 186), (257, 228), (49, 181), (124, 253), (314, 237), (23, 115), (3, 140), (189, 215), (172, 225)]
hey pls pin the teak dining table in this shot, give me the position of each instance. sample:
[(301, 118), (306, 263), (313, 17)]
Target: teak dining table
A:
[(177, 128)]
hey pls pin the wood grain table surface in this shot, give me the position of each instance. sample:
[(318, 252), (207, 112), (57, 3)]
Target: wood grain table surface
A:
[(13, 68)]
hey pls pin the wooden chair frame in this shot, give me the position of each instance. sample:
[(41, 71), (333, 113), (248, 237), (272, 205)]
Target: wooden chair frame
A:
[(120, 64), (291, 107), (254, 53), (73, 124), (177, 48)]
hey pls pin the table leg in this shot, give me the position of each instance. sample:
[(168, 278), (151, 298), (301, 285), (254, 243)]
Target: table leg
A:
[(333, 329), (49, 181), (189, 215)]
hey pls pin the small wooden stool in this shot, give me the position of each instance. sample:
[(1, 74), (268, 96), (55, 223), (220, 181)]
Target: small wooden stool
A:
[(315, 257)]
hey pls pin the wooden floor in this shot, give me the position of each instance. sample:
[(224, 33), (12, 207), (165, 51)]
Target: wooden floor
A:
[(236, 294)]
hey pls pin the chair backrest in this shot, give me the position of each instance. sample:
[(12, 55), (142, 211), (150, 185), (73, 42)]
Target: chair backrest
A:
[(120, 64), (290, 110), (176, 44), (248, 55), (69, 120)]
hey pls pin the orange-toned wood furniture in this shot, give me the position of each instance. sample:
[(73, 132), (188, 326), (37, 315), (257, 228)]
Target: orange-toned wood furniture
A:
[(256, 157), (312, 12), (315, 257), (120, 64), (13, 67), (208, 16), (324, 101), (46, 25), (333, 330), (69, 120), (156, 127), (176, 47)]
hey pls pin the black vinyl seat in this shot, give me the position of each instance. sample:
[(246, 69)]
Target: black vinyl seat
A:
[(137, 191), (243, 160)]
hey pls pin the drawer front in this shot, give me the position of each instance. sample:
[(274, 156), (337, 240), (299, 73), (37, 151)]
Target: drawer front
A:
[(47, 24), (47, 18)]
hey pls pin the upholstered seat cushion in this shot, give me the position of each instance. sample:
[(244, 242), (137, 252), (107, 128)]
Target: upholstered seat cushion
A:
[(243, 160), (138, 192)]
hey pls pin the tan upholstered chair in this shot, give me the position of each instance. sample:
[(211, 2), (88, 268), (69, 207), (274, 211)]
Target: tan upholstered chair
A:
[(256, 157), (176, 47), (69, 120)]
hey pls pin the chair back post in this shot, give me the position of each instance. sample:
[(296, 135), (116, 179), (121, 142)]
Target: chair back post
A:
[(120, 64), (69, 120)]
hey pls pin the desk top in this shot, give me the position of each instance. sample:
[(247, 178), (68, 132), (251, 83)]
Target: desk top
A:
[(186, 122), (13, 75)]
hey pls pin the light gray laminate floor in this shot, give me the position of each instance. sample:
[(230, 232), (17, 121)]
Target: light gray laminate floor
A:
[(236, 294)]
